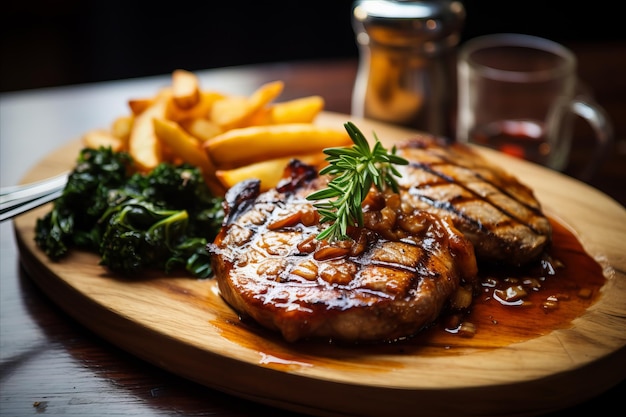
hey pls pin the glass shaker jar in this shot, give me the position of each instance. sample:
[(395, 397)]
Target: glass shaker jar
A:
[(407, 62)]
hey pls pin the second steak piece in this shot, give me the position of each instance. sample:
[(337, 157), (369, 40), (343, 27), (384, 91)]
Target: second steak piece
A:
[(493, 209)]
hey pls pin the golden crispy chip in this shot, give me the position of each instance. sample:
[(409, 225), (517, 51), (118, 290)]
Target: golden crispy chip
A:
[(300, 110), (235, 111), (262, 116), (121, 128), (185, 89), (97, 138), (237, 147), (143, 144), (202, 129), (269, 172), (200, 110), (243, 136), (266, 94), (138, 105), (230, 112)]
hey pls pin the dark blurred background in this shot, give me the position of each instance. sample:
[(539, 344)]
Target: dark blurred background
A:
[(51, 43)]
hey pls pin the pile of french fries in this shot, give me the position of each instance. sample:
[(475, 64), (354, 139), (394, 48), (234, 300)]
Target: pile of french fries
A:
[(230, 138)]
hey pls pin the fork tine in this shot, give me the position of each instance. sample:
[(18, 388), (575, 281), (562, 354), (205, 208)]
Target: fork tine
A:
[(15, 200), (9, 212), (17, 192)]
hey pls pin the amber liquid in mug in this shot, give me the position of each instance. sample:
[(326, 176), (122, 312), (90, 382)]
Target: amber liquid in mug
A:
[(523, 139)]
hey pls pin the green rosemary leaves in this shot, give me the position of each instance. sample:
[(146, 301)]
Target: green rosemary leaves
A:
[(355, 170)]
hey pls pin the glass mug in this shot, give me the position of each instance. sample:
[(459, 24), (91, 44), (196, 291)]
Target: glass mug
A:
[(519, 94)]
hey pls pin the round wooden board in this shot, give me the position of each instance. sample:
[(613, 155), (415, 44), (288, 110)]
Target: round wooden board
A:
[(182, 325)]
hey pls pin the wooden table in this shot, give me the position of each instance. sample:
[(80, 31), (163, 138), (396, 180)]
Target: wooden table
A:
[(51, 364)]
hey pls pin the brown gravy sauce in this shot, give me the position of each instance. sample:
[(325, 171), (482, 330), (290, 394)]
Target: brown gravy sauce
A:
[(563, 295)]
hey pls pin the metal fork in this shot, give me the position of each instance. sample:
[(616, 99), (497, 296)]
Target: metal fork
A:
[(18, 199)]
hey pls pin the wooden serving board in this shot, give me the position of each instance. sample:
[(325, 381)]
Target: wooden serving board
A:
[(182, 325)]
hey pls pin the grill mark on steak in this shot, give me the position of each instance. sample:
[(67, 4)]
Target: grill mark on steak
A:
[(499, 214), (446, 205), (401, 269), (449, 206), (385, 284)]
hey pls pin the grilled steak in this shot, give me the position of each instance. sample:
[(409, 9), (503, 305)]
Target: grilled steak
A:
[(498, 214), (399, 271), (391, 280)]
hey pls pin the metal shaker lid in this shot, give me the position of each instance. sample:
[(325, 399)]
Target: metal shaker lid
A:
[(427, 25)]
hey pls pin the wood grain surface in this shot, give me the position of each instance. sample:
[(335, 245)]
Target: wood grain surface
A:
[(183, 326)]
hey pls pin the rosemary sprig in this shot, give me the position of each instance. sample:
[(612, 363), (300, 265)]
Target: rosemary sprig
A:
[(355, 169)]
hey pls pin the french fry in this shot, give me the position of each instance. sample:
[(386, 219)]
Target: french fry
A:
[(235, 111), (300, 110), (230, 112), (188, 149), (262, 116), (228, 137), (200, 110), (143, 144), (266, 93), (185, 89), (202, 129), (97, 138), (138, 105), (269, 172), (121, 128), (237, 147)]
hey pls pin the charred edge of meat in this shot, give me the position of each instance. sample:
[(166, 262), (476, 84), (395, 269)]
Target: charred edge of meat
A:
[(426, 141), (239, 198), (295, 175)]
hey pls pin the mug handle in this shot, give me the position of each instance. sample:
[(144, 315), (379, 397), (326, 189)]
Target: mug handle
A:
[(596, 116)]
